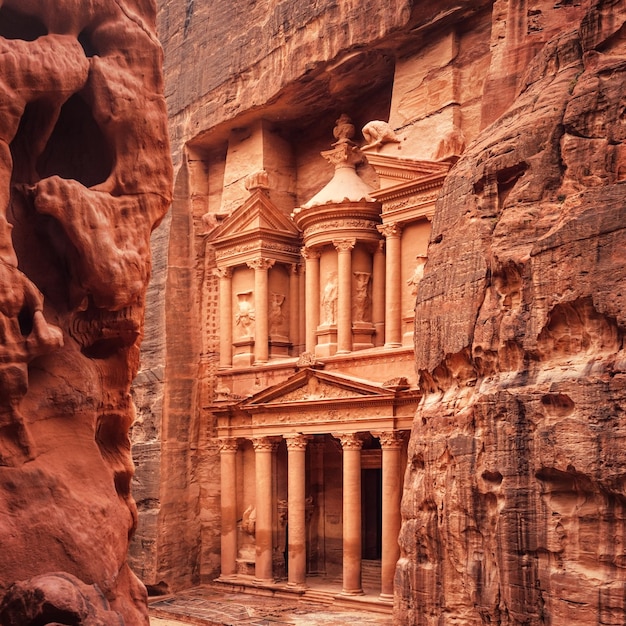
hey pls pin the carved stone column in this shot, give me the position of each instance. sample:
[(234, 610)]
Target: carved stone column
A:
[(264, 448), (261, 332), (296, 520), (226, 315), (378, 293), (351, 445), (312, 296), (344, 293), (228, 483), (391, 444), (393, 285), (294, 308)]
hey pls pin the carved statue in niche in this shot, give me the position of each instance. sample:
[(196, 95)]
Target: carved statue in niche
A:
[(248, 521), (244, 318), (361, 301), (377, 133), (329, 300), (85, 175), (276, 316), (418, 274)]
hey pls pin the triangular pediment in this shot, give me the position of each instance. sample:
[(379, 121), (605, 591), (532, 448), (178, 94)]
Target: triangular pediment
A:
[(257, 216), (400, 170), (311, 385)]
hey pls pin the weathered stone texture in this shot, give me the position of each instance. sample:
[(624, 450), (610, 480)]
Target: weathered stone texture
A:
[(85, 175), (514, 507)]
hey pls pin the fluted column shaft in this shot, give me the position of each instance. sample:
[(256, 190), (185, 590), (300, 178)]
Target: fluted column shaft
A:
[(393, 286), (351, 445), (226, 315), (264, 448), (261, 297), (296, 518), (312, 296), (391, 444), (344, 293), (228, 484)]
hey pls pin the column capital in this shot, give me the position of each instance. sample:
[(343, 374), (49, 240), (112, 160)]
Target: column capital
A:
[(349, 441), (223, 272), (391, 440), (260, 263), (264, 444), (295, 269), (344, 245), (296, 441), (228, 444), (390, 230), (377, 247), (310, 253)]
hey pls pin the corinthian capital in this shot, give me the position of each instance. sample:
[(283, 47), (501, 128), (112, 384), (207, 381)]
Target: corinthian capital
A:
[(344, 245), (389, 230), (260, 264), (350, 441), (223, 272), (310, 253)]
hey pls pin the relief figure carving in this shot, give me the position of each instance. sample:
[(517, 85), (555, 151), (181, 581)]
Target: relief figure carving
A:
[(244, 318), (362, 301), (329, 300), (276, 316)]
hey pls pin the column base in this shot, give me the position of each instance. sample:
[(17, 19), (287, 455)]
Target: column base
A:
[(226, 578), (386, 598), (351, 592), (394, 344), (261, 582), (297, 586)]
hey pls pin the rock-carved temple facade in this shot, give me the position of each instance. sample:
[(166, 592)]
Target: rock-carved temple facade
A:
[(312, 398)]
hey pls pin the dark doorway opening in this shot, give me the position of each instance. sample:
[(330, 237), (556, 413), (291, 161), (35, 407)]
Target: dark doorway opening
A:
[(371, 517)]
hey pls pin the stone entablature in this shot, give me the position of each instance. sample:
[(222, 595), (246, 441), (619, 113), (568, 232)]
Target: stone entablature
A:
[(312, 401)]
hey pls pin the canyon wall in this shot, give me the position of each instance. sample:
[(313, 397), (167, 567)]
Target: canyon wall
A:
[(514, 502), (513, 505), (85, 175)]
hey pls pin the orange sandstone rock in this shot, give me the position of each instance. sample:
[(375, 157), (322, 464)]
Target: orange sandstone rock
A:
[(514, 506), (84, 178)]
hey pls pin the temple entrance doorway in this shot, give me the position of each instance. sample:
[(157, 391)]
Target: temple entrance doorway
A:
[(371, 516)]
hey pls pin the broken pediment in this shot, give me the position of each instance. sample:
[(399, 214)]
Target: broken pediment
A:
[(408, 187), (257, 225), (312, 385)]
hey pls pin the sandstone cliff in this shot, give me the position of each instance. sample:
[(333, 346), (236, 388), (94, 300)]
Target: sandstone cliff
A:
[(514, 503), (513, 500), (85, 175)]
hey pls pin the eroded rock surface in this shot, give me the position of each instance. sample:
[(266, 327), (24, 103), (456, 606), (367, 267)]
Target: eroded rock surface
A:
[(84, 177), (514, 506)]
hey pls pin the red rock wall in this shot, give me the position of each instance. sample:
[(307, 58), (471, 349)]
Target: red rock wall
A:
[(85, 174), (514, 506)]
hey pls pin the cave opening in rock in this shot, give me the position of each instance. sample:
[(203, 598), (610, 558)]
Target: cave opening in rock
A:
[(16, 25)]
